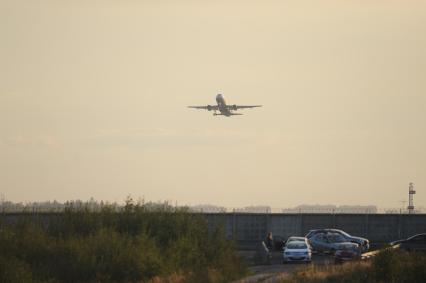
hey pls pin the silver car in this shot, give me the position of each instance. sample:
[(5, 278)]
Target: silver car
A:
[(296, 239), (297, 251), (330, 242), (364, 243)]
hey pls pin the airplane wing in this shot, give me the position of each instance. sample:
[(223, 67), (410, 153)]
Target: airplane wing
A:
[(236, 107), (208, 107)]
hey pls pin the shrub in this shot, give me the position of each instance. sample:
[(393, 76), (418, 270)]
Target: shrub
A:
[(13, 270), (133, 245), (387, 266)]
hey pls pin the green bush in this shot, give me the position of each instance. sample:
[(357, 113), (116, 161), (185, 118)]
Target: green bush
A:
[(134, 245)]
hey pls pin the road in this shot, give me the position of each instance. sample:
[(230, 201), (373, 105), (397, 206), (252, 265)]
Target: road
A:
[(277, 270)]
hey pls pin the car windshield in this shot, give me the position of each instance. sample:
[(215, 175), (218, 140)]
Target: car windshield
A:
[(296, 239), (296, 245), (310, 233), (417, 237)]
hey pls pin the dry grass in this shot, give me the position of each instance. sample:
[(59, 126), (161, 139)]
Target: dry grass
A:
[(172, 278), (331, 273), (388, 266)]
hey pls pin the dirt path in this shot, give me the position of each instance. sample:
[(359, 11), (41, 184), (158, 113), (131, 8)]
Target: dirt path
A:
[(277, 271)]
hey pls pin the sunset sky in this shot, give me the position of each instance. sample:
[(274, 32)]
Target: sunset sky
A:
[(94, 96)]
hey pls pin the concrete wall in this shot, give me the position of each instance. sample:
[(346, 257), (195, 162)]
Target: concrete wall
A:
[(248, 229)]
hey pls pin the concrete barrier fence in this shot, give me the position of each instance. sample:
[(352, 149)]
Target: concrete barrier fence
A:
[(250, 228)]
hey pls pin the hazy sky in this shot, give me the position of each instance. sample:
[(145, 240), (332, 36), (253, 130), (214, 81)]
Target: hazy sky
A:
[(93, 98)]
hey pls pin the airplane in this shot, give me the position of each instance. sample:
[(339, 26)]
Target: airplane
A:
[(223, 108)]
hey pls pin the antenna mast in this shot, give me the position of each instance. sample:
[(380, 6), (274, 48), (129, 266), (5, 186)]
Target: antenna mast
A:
[(411, 193)]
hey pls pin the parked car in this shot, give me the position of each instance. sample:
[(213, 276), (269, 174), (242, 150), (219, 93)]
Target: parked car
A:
[(297, 239), (362, 242), (414, 243), (297, 251), (279, 243), (329, 242), (346, 252)]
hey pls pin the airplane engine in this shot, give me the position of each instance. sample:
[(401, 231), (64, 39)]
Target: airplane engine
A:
[(234, 107), (209, 107)]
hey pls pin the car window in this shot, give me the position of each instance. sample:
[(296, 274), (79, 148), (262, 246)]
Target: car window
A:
[(344, 233), (336, 238), (296, 245), (418, 239), (320, 238)]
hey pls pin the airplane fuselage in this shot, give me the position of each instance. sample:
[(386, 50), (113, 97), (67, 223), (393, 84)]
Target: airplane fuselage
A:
[(221, 105), (223, 108)]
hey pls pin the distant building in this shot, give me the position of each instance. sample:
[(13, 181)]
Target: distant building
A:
[(254, 209), (357, 209), (208, 208), (331, 209)]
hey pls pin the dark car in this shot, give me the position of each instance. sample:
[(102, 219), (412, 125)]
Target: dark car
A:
[(278, 243), (414, 243), (346, 253), (364, 243)]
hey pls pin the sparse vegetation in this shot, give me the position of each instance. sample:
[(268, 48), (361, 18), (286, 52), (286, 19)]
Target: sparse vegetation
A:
[(141, 243), (390, 266)]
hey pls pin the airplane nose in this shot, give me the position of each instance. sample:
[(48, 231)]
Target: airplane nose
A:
[(219, 96)]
